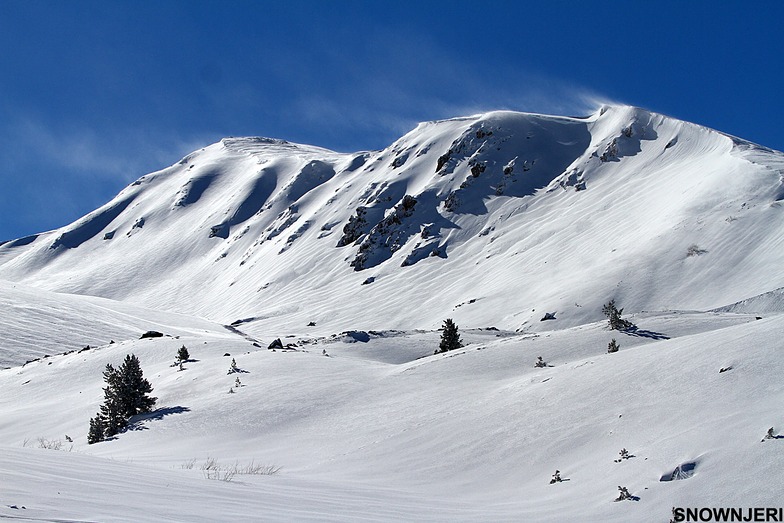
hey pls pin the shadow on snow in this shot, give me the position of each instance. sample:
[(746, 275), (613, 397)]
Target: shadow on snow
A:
[(138, 422)]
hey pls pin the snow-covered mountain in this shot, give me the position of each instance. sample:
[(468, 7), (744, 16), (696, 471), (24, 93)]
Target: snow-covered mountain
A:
[(492, 219), (354, 260)]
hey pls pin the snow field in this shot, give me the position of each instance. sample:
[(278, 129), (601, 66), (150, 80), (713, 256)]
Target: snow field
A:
[(476, 432)]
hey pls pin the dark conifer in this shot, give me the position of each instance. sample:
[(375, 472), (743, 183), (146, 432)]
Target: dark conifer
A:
[(96, 432), (182, 354), (450, 337), (624, 494), (134, 388), (614, 316), (112, 410), (125, 395)]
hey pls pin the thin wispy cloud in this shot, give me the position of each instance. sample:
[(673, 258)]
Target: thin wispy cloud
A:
[(406, 81), (122, 156), (52, 174)]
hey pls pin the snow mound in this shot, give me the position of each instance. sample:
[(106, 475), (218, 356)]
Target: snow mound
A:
[(770, 302)]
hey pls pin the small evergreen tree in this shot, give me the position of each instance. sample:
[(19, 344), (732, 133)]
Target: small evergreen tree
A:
[(614, 316), (233, 367), (556, 477), (612, 347), (623, 494), (182, 354), (111, 411), (96, 432), (134, 388), (450, 337), (125, 395), (624, 454), (540, 363)]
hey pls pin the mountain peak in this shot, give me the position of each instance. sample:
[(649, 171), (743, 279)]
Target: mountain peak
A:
[(519, 212)]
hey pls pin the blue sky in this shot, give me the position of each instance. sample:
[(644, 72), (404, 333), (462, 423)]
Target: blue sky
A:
[(95, 94)]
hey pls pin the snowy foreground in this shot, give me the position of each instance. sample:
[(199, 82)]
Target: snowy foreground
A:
[(354, 261), (379, 428)]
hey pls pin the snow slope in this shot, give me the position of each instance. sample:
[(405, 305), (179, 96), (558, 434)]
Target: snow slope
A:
[(520, 213), (381, 429), (39, 324)]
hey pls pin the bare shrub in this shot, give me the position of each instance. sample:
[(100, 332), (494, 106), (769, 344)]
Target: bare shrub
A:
[(257, 469), (49, 444), (694, 250), (214, 470)]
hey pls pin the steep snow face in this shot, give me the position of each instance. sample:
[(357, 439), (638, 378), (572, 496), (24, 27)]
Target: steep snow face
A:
[(490, 219)]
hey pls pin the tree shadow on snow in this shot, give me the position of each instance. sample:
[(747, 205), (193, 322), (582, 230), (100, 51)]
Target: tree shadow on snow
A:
[(641, 333), (138, 422)]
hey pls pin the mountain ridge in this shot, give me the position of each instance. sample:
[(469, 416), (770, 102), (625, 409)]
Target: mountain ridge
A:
[(292, 232)]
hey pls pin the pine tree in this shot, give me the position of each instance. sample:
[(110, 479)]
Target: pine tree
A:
[(112, 411), (134, 388), (614, 316), (624, 454), (125, 395), (612, 346), (623, 494), (96, 432), (450, 337), (182, 354)]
